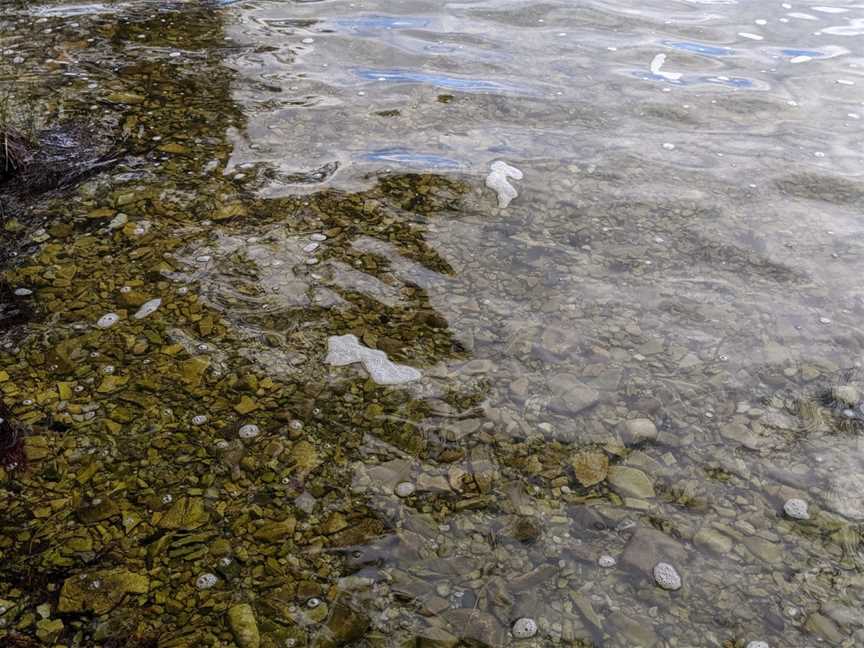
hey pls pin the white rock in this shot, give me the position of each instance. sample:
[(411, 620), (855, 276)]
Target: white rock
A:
[(796, 509), (148, 308), (318, 237), (497, 181), (607, 561), (667, 576), (206, 581), (524, 628), (249, 431), (107, 320), (758, 644), (23, 292), (346, 349), (405, 489), (199, 419)]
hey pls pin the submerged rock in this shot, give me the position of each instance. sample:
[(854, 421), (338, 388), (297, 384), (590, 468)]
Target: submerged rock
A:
[(796, 509), (346, 349), (241, 618), (524, 628), (630, 482), (667, 577), (148, 308), (497, 181), (99, 592)]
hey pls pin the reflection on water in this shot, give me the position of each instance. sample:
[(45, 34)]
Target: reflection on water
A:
[(649, 357)]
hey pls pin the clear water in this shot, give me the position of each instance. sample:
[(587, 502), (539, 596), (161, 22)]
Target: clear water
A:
[(684, 250)]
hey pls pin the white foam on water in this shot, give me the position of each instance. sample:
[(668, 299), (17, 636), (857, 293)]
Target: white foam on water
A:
[(498, 181), (656, 68), (346, 349)]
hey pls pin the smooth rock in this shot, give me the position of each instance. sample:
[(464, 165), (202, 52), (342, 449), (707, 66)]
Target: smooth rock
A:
[(822, 626), (99, 592), (630, 482), (648, 546), (241, 619), (638, 430), (570, 395), (712, 539)]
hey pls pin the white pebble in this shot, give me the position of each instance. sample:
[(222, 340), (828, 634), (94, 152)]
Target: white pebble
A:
[(308, 41), (249, 431), (758, 644), (666, 576), (668, 146), (405, 489), (796, 509), (524, 628), (199, 419), (23, 292), (318, 237), (107, 320), (148, 308), (206, 581), (607, 561), (311, 247)]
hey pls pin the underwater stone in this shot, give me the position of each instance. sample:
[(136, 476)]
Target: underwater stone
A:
[(346, 349), (497, 181), (241, 618), (757, 644), (666, 576), (311, 247), (206, 581), (405, 489), (249, 431), (199, 419), (524, 628), (847, 395), (607, 561), (796, 509), (107, 320), (318, 237), (23, 292), (148, 308), (313, 603)]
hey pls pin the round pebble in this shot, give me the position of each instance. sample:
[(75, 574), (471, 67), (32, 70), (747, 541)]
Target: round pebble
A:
[(667, 576), (199, 419), (313, 602), (249, 431), (310, 247), (296, 425), (107, 320), (607, 561), (23, 292), (206, 581), (405, 489), (167, 498), (758, 644), (524, 628), (796, 509), (318, 237)]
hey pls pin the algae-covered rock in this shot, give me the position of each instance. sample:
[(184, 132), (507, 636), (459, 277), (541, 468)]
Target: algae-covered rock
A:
[(276, 531), (344, 626), (590, 468), (241, 619), (48, 630), (630, 482), (100, 591), (186, 513)]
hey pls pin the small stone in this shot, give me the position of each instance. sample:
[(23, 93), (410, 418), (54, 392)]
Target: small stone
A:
[(524, 628), (630, 482), (23, 292), (638, 430), (607, 561), (405, 489), (757, 644), (712, 539), (199, 419), (249, 431), (313, 603), (147, 308), (310, 248), (107, 320), (590, 468), (318, 237), (206, 581), (667, 577), (846, 395), (796, 509)]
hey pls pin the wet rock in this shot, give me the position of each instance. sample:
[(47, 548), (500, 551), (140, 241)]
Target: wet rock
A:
[(241, 619), (98, 510), (637, 633), (524, 628), (185, 513), (100, 591), (743, 435), (771, 552), (821, 626), (344, 626), (630, 482), (796, 509), (277, 531), (667, 577), (637, 431), (570, 395), (710, 538), (590, 468), (847, 395), (435, 637), (473, 624), (648, 546), (48, 630)]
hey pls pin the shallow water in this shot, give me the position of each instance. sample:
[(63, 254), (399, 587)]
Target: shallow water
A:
[(639, 360)]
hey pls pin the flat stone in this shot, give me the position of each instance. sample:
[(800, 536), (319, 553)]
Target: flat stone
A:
[(277, 531), (476, 625), (630, 482), (637, 633), (822, 626), (648, 546), (770, 552), (570, 395), (186, 513), (344, 626), (711, 539), (100, 591), (638, 430)]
